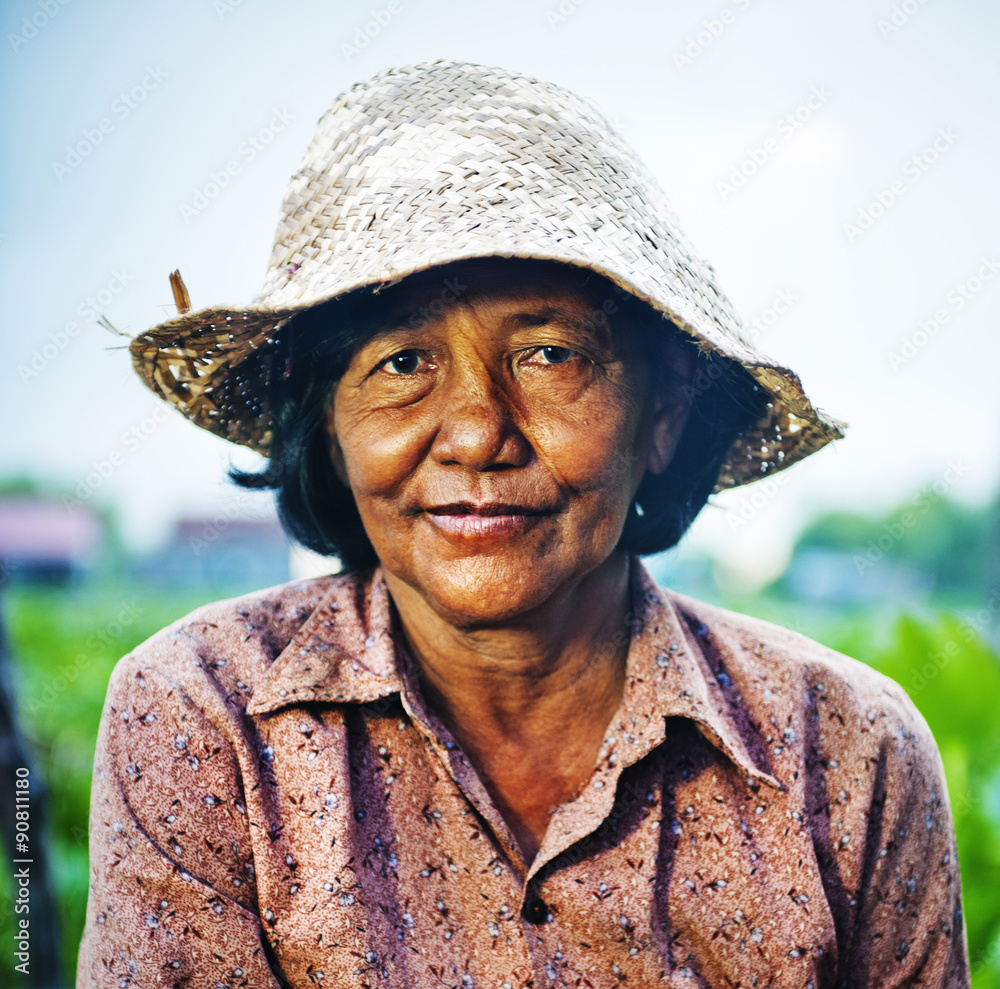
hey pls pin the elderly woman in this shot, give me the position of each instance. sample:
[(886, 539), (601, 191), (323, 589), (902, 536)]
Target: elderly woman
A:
[(489, 373)]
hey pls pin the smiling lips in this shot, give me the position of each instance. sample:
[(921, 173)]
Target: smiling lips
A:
[(492, 518)]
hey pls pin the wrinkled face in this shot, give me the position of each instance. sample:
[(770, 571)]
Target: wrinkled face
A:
[(494, 435)]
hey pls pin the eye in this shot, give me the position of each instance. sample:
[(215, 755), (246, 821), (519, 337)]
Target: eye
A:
[(405, 362), (556, 355)]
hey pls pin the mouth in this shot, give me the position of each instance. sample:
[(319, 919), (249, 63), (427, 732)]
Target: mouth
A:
[(465, 518)]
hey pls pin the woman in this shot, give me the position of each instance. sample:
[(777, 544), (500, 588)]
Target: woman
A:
[(493, 751)]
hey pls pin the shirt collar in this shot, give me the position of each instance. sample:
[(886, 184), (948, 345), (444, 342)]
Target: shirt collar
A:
[(349, 651)]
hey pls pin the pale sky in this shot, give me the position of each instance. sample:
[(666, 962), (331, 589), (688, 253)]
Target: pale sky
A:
[(860, 236)]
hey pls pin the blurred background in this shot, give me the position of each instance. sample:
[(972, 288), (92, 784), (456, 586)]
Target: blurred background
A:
[(836, 163)]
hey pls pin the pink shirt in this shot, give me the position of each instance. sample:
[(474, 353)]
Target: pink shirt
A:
[(274, 805)]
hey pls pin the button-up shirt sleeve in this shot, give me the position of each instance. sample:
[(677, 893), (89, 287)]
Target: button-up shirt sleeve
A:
[(860, 769), (908, 929), (172, 898)]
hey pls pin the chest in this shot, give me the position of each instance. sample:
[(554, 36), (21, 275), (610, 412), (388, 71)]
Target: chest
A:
[(374, 867)]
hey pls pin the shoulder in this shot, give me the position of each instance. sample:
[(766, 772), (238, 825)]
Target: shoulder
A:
[(223, 649), (784, 677), (777, 652)]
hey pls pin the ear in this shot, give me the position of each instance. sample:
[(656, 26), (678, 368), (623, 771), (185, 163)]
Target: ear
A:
[(668, 426), (336, 453), (671, 406)]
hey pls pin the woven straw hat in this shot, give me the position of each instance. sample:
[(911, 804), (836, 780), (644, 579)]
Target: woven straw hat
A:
[(438, 162)]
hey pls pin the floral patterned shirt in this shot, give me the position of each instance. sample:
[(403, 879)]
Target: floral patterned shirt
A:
[(274, 805)]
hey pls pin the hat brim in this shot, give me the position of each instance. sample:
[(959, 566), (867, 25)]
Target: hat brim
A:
[(213, 366)]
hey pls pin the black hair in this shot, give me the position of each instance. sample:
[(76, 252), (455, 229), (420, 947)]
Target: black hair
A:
[(315, 348)]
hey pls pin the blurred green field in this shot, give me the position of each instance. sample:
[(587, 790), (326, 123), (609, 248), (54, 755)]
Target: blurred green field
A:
[(65, 643)]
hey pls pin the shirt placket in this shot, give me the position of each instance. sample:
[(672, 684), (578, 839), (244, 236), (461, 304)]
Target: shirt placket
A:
[(635, 731), (460, 771)]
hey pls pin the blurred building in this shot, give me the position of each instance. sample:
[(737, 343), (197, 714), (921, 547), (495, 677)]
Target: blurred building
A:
[(230, 555), (839, 577), (43, 539)]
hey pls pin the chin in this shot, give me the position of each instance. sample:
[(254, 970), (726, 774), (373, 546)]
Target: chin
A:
[(481, 590), (484, 590)]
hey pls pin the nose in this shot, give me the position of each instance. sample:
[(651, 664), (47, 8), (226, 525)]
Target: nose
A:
[(478, 429)]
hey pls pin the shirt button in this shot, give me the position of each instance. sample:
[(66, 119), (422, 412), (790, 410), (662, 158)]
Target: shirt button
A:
[(534, 910)]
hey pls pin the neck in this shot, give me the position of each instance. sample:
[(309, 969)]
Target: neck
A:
[(528, 700)]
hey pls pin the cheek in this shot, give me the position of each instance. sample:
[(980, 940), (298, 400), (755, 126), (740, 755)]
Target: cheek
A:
[(375, 467), (597, 450), (379, 451)]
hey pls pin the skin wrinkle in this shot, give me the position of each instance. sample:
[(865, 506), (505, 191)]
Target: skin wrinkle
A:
[(510, 759), (515, 409), (481, 415), (540, 440), (333, 333)]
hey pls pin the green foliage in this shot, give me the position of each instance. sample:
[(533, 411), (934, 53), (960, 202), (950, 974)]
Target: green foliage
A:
[(928, 533), (20, 486)]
